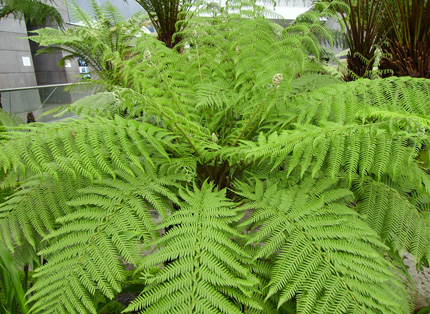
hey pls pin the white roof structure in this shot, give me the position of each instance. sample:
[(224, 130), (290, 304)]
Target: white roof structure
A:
[(288, 9), (290, 13)]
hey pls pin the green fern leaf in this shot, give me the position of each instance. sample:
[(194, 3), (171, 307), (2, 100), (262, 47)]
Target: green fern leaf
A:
[(206, 268), (320, 256), (394, 218), (106, 226)]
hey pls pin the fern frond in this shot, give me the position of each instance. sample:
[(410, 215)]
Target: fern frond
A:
[(394, 218), (324, 254), (400, 95), (34, 12), (106, 225), (89, 149), (205, 265), (358, 123), (31, 212), (339, 146), (8, 119), (101, 104)]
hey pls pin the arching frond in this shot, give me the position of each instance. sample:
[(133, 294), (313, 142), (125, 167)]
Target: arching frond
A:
[(325, 256), (345, 124), (32, 11), (104, 104), (88, 147), (104, 225), (205, 273), (398, 222), (30, 213)]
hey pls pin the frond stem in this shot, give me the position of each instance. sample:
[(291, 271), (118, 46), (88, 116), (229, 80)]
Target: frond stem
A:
[(198, 60), (169, 90), (253, 116)]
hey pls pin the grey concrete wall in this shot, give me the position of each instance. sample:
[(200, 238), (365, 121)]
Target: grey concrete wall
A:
[(13, 72), (46, 66), (42, 70), (73, 71)]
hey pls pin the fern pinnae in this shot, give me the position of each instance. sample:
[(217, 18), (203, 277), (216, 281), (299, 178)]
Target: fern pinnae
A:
[(339, 256), (214, 252), (288, 154), (9, 120), (117, 216), (393, 217), (35, 206), (106, 274)]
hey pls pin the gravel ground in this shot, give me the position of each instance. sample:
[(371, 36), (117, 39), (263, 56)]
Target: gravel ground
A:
[(421, 282)]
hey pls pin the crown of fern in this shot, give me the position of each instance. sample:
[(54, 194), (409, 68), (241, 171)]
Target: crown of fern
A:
[(280, 188)]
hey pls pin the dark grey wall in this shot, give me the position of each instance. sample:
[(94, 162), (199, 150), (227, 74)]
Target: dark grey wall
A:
[(46, 66), (13, 72), (43, 69)]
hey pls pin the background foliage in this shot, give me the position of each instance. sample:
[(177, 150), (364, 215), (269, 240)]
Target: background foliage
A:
[(391, 33), (35, 12)]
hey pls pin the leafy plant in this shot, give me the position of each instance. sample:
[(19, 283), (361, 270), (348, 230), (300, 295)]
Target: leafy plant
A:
[(409, 38), (363, 25), (250, 189), (12, 290), (35, 12), (165, 15), (97, 40), (424, 310), (12, 297), (396, 27)]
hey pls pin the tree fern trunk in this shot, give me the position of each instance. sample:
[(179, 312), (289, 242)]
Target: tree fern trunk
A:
[(356, 66), (408, 61)]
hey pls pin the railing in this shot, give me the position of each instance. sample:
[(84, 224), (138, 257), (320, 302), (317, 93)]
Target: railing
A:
[(34, 101)]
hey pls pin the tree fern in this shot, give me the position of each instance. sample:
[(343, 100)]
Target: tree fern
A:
[(253, 188)]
